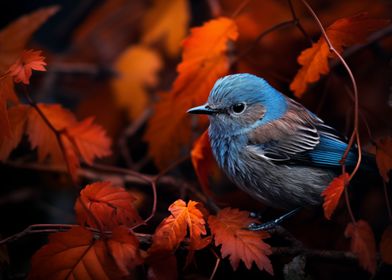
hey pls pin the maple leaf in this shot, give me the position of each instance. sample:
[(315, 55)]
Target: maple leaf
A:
[(29, 60), (75, 254), (17, 116), (7, 94), (137, 69), (204, 60), (342, 33), (333, 193), (111, 205), (14, 37), (229, 228), (83, 139), (124, 247), (386, 245), (167, 21), (384, 157), (173, 229), (90, 140), (363, 244)]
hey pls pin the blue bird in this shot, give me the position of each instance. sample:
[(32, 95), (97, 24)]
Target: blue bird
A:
[(269, 145)]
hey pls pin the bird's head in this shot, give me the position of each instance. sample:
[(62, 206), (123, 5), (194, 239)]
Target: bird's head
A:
[(239, 102)]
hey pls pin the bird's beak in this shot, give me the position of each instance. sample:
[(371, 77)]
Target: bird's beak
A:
[(203, 109)]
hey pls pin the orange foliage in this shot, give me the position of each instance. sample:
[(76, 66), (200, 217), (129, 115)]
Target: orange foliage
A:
[(166, 21), (29, 60), (78, 254), (386, 245), (229, 230), (384, 157), (17, 118), (204, 60), (173, 229), (333, 193), (111, 205), (342, 33), (124, 248), (363, 244)]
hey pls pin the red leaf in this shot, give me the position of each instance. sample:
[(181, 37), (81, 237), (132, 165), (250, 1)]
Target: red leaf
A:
[(90, 140), (384, 157), (173, 229), (75, 254), (386, 245), (363, 244), (204, 60), (124, 247), (342, 33), (333, 193), (111, 205), (229, 230), (29, 60), (17, 116)]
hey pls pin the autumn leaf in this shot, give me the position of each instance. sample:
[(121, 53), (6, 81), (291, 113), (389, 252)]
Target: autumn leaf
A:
[(229, 228), (89, 139), (111, 205), (384, 157), (333, 193), (386, 245), (173, 229), (204, 60), (124, 247), (84, 139), (137, 69), (166, 21), (14, 37), (75, 254), (17, 117), (21, 70), (342, 33), (363, 244)]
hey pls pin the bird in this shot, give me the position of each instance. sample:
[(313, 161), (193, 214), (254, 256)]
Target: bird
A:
[(271, 146)]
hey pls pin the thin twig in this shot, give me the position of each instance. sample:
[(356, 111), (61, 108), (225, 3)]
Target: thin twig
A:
[(297, 22), (240, 8), (355, 133), (217, 263)]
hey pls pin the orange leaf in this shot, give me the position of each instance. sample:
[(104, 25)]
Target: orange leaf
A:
[(14, 37), (83, 139), (342, 33), (7, 93), (124, 247), (111, 205), (137, 69), (363, 244), (17, 116), (75, 254), (229, 230), (173, 229), (384, 157), (386, 245), (90, 140), (29, 60), (204, 60), (42, 137), (333, 193), (167, 21)]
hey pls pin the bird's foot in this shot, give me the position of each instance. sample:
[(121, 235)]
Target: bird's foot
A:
[(271, 224)]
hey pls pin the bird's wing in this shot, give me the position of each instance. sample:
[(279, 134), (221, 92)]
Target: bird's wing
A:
[(310, 143)]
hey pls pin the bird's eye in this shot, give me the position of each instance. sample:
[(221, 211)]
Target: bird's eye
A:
[(238, 108)]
